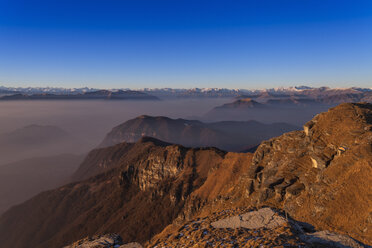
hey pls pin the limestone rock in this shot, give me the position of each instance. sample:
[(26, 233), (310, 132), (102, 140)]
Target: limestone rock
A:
[(131, 245), (100, 241), (329, 239), (263, 218)]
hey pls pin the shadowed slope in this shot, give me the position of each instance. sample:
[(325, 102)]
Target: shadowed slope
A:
[(321, 175), (148, 177), (227, 135)]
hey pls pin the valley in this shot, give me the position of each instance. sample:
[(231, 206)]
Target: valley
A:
[(118, 189)]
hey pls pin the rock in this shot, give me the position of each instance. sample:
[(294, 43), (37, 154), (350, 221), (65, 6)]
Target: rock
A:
[(111, 240), (326, 180), (264, 228), (100, 241), (326, 238), (200, 232), (132, 245), (263, 218)]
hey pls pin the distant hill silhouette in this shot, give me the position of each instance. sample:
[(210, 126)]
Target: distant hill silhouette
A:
[(228, 135), (290, 110), (94, 95)]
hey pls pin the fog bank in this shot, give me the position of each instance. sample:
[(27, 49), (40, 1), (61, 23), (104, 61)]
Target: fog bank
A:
[(91, 120)]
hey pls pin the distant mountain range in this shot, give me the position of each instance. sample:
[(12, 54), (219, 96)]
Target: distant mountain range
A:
[(298, 91), (90, 95), (227, 135), (293, 107)]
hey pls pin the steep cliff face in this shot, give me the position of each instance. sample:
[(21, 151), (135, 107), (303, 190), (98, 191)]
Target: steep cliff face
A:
[(321, 175), (101, 160), (136, 195)]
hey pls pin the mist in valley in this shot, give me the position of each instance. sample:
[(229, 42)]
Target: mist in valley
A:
[(42, 143), (90, 121)]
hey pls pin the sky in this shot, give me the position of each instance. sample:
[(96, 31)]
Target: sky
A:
[(185, 43)]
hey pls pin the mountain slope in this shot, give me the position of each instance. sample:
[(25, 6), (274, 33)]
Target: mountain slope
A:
[(327, 168), (242, 227), (229, 135), (150, 177), (320, 175)]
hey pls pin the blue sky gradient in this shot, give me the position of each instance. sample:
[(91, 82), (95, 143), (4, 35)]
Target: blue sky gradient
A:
[(184, 44)]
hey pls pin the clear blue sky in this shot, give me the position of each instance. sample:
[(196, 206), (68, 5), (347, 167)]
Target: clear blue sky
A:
[(185, 43)]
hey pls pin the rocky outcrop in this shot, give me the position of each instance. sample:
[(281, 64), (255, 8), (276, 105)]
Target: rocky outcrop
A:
[(262, 218), (100, 241), (131, 245), (320, 175), (103, 241), (248, 228), (243, 228), (329, 239)]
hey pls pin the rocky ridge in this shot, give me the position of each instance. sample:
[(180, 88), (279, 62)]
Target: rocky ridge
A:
[(243, 227), (320, 176), (103, 241), (137, 181), (239, 227), (327, 168)]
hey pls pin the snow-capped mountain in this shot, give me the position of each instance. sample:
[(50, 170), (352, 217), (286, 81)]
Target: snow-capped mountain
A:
[(192, 92)]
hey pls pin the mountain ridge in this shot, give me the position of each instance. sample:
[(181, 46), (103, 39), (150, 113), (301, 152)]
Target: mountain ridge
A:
[(89, 95), (301, 91), (226, 135), (325, 167)]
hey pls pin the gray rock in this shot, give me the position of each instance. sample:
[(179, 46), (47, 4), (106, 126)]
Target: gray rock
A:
[(132, 245), (265, 217), (329, 239), (101, 241)]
